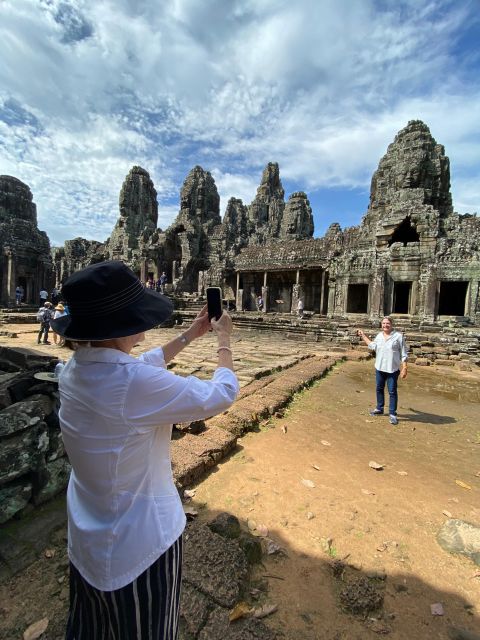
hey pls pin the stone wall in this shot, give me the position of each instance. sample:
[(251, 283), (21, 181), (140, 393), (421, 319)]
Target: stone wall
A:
[(33, 466)]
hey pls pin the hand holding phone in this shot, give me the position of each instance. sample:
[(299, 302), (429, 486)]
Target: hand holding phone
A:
[(214, 302)]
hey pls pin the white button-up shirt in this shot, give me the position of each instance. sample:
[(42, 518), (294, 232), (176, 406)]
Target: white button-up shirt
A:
[(389, 352), (116, 417)]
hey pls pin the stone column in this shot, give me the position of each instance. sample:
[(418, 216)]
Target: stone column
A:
[(265, 298), (39, 282), (413, 298), (143, 271), (201, 283), (431, 288), (377, 285), (470, 299), (265, 292), (474, 307), (322, 292), (10, 277), (237, 287), (297, 294), (4, 291), (239, 300), (28, 290), (331, 298)]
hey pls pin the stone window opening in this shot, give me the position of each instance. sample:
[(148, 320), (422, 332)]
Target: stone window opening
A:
[(401, 297), (405, 232), (452, 298), (357, 298)]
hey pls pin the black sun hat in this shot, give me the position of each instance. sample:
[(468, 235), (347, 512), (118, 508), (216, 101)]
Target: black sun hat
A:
[(106, 300)]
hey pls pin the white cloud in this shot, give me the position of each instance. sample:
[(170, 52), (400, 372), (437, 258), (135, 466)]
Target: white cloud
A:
[(469, 201), (320, 87), (166, 215), (235, 186)]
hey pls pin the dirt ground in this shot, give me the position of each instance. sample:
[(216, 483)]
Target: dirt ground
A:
[(380, 523)]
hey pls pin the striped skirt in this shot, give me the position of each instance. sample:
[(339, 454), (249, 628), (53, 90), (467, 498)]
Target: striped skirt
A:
[(145, 609)]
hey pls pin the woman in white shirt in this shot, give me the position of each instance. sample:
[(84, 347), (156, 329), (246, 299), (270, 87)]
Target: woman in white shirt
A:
[(390, 362), (124, 513)]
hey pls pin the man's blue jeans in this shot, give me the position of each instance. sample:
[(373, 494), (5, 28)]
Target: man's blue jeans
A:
[(381, 377)]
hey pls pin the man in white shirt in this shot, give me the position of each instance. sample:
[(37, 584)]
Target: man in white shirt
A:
[(43, 296)]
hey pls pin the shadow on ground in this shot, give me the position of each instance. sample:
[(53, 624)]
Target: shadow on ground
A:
[(427, 418), (349, 603)]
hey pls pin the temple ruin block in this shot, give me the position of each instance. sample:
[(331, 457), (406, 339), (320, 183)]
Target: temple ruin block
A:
[(411, 255), (25, 251)]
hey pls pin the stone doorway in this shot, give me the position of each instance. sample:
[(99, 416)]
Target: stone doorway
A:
[(280, 287), (311, 283), (452, 298), (401, 297), (252, 287), (357, 298)]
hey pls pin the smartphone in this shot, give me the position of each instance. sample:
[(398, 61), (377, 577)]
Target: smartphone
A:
[(214, 302)]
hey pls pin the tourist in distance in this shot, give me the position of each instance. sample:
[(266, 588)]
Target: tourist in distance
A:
[(163, 281), (125, 516), (43, 296), (390, 362), (300, 308), (259, 303), (19, 295), (44, 316), (59, 313)]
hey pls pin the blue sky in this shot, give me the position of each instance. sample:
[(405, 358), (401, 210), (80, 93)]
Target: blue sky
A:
[(88, 88)]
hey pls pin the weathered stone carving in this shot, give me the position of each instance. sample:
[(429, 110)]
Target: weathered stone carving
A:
[(138, 214), (297, 222), (25, 251), (74, 255), (410, 254), (266, 211)]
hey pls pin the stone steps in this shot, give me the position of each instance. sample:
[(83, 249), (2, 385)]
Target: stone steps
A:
[(193, 454)]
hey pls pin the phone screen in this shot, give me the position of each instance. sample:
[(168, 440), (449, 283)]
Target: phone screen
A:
[(214, 302)]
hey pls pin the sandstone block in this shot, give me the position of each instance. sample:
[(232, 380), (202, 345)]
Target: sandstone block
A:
[(444, 363), (423, 362), (23, 453), (215, 565), (53, 479), (458, 536), (23, 415), (13, 498)]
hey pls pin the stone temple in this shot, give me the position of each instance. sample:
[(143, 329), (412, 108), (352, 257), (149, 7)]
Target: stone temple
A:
[(410, 255)]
